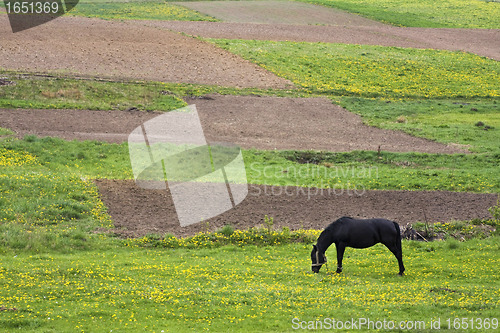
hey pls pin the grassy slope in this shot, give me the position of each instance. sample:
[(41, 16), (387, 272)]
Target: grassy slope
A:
[(137, 10), (424, 13), (368, 170), (373, 71), (203, 289), (471, 122), (58, 93)]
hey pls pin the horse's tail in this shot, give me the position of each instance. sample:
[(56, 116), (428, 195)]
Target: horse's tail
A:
[(398, 237)]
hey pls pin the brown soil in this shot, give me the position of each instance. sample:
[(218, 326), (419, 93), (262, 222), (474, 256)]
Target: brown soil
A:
[(112, 49), (109, 126), (248, 121), (137, 212), (300, 124)]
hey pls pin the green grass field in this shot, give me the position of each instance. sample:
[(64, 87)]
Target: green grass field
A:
[(137, 10), (482, 14), (249, 288), (368, 170), (373, 71)]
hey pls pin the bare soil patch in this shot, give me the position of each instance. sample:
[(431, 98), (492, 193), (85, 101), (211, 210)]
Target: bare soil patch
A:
[(248, 121), (300, 124), (137, 212), (118, 50)]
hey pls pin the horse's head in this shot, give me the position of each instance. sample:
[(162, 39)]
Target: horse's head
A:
[(318, 259)]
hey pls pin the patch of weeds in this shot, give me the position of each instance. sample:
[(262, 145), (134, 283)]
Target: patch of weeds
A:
[(33, 92), (228, 236), (6, 132), (457, 230), (452, 244)]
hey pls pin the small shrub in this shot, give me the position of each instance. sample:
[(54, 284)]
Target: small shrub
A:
[(30, 138), (227, 230), (269, 222), (495, 210), (453, 244)]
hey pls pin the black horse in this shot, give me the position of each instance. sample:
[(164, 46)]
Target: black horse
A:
[(358, 234)]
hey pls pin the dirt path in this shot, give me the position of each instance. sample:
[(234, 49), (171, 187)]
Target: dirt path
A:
[(137, 211), (297, 21), (112, 49), (248, 121), (277, 12)]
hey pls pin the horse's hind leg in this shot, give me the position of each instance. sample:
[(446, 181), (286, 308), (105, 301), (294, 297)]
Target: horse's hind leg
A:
[(340, 255), (397, 250)]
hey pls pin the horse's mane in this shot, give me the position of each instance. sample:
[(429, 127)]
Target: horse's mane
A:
[(325, 238)]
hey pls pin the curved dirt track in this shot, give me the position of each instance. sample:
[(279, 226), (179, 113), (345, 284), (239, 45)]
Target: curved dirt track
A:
[(138, 212), (297, 21), (248, 121), (277, 12)]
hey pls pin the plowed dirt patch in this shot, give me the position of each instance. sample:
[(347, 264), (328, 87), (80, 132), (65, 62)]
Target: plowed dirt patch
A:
[(112, 49), (248, 121), (300, 124), (137, 212)]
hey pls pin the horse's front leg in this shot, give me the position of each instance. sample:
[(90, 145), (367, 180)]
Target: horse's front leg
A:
[(340, 255)]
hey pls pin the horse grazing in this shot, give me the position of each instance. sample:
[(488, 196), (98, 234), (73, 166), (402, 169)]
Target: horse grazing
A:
[(358, 234)]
